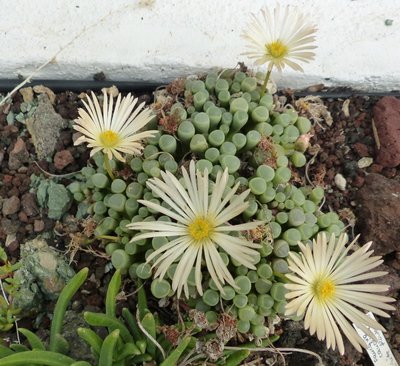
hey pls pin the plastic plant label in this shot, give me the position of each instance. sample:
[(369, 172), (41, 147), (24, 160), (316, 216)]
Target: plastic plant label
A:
[(379, 350)]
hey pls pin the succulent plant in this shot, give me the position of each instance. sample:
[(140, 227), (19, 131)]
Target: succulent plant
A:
[(225, 123)]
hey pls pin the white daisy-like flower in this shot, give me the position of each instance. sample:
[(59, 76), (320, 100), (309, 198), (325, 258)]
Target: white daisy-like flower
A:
[(113, 129), (280, 39), (324, 287), (200, 227)]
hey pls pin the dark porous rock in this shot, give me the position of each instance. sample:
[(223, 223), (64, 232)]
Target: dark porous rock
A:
[(62, 159), (18, 155), (387, 122), (378, 213), (29, 205), (42, 274), (11, 206)]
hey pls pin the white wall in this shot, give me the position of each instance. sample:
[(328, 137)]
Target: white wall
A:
[(156, 40)]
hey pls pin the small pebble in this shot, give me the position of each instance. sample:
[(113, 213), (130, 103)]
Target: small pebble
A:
[(365, 162), (38, 226), (62, 159), (11, 205), (340, 182)]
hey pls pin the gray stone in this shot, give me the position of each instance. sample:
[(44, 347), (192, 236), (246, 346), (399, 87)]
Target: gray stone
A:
[(45, 127), (58, 201), (11, 206), (9, 226), (42, 275), (29, 205)]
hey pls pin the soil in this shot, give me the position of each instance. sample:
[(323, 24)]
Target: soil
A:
[(335, 149)]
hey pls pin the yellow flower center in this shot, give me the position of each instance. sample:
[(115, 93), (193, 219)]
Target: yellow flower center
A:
[(201, 228), (109, 138), (324, 289), (276, 49)]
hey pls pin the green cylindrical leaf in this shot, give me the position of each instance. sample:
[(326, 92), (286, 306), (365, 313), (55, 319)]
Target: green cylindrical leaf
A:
[(260, 114), (282, 175), (279, 265), (243, 326), (160, 288), (120, 259), (198, 144), (239, 104), (204, 164), (200, 98), (243, 285), (257, 186), (316, 195), (265, 300), (212, 154), (216, 138), (239, 140), (186, 131), (100, 180), (303, 124), (226, 118), (201, 122), (296, 216), (262, 285), (240, 301), (117, 202), (143, 271), (167, 144), (246, 313), (240, 118), (278, 291), (215, 115), (298, 159), (264, 271), (211, 297), (281, 248), (230, 162), (249, 84), (228, 294)]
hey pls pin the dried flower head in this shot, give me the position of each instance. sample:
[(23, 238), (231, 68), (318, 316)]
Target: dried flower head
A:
[(200, 228), (324, 288), (113, 130), (280, 39)]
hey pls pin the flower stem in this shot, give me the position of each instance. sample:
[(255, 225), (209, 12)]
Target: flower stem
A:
[(264, 86), (107, 166)]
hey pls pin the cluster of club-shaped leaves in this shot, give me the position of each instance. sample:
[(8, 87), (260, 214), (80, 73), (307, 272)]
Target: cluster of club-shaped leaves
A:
[(223, 121)]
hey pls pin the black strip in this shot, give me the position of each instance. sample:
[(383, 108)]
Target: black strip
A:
[(81, 85), (143, 86)]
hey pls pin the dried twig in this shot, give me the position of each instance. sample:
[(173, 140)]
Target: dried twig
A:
[(149, 336), (56, 175), (376, 136), (278, 350), (312, 160)]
